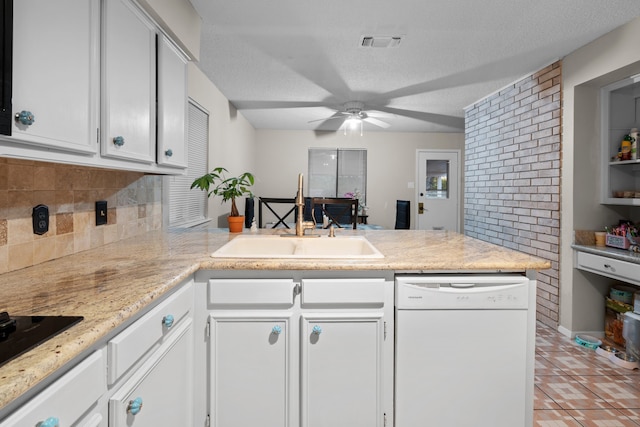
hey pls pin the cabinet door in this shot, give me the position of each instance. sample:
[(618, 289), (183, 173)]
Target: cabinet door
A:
[(172, 105), (250, 370), (128, 83), (161, 392), (56, 74), (341, 370)]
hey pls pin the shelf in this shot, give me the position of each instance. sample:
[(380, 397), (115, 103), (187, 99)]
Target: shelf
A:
[(625, 162), (621, 201)]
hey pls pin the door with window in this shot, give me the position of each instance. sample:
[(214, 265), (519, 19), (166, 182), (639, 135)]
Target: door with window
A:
[(438, 204)]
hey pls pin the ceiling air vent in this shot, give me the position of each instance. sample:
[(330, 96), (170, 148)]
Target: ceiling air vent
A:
[(380, 41)]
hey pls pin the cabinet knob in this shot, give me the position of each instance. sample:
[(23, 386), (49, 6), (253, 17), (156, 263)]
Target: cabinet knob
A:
[(135, 406), (168, 152), (317, 330), (25, 117), (167, 320), (118, 141), (50, 422), (277, 329)]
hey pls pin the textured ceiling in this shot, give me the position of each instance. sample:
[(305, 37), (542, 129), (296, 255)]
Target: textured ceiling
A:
[(284, 63)]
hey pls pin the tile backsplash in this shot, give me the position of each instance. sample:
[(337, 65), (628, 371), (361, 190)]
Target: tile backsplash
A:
[(134, 207)]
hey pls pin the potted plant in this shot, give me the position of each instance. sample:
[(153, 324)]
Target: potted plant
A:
[(228, 189)]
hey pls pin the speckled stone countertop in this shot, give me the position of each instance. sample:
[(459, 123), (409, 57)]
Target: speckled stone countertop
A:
[(112, 286)]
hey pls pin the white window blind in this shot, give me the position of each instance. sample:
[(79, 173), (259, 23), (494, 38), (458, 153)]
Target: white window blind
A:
[(189, 207)]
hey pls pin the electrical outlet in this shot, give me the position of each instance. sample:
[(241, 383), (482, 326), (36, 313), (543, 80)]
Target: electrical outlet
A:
[(40, 218), (101, 212)]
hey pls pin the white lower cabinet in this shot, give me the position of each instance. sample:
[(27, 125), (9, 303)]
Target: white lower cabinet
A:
[(150, 366), (141, 377), (277, 361), (71, 401), (250, 380), (160, 391), (341, 370)]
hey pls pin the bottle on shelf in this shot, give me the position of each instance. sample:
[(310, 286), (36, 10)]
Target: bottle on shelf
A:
[(634, 144), (625, 148)]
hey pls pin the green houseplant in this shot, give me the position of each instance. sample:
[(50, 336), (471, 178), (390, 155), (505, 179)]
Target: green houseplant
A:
[(217, 183)]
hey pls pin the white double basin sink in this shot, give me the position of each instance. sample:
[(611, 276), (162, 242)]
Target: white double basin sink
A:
[(280, 246)]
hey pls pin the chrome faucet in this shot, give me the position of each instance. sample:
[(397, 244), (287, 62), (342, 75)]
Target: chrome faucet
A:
[(301, 224)]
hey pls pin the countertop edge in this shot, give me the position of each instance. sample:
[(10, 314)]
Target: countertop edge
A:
[(619, 254)]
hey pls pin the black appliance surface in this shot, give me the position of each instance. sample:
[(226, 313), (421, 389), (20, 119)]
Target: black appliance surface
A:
[(19, 334)]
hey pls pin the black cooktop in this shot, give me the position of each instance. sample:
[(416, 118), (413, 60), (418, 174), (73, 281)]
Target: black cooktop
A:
[(19, 334)]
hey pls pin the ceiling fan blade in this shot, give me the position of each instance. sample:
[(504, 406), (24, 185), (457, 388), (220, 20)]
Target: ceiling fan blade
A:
[(269, 105), (377, 122), (335, 116), (331, 125), (441, 119)]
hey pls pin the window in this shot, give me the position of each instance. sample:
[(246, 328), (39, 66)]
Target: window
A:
[(189, 207), (437, 178), (334, 172)]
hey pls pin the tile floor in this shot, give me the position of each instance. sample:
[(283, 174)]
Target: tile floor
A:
[(575, 387)]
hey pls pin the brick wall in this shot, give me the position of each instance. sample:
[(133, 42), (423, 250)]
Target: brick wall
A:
[(134, 207), (512, 174)]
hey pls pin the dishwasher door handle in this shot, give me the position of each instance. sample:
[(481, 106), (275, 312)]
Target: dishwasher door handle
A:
[(462, 285)]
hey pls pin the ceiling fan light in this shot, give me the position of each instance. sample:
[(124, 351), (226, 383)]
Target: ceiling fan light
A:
[(352, 124)]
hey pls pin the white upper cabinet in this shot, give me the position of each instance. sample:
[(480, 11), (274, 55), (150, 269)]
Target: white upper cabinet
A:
[(128, 83), (96, 73), (172, 105), (55, 74)]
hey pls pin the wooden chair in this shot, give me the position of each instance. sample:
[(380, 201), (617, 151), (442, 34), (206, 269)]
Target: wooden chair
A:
[(339, 211), (281, 219)]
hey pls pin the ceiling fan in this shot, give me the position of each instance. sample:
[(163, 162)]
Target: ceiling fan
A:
[(352, 116)]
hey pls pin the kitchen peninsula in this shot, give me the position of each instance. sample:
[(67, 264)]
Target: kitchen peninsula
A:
[(115, 285)]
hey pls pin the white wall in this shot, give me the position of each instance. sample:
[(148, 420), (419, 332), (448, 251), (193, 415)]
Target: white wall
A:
[(231, 137), (610, 58), (281, 155), (180, 20)]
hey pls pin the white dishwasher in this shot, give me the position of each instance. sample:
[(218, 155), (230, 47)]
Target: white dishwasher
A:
[(465, 348)]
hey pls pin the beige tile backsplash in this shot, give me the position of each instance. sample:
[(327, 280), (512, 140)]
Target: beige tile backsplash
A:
[(134, 207)]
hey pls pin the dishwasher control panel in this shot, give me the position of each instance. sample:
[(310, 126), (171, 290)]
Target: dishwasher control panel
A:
[(462, 292)]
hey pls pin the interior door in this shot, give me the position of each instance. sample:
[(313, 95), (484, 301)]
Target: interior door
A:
[(438, 204)]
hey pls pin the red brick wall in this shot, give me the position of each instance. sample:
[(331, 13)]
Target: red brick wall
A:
[(512, 174)]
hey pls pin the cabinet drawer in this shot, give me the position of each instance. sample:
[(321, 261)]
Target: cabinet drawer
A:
[(343, 291), (232, 292), (609, 267), (160, 392), (67, 399), (129, 346)]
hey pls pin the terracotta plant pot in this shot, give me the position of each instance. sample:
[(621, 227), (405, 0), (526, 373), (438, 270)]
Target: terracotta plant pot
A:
[(236, 224)]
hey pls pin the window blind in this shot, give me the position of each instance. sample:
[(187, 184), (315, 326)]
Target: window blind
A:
[(189, 207)]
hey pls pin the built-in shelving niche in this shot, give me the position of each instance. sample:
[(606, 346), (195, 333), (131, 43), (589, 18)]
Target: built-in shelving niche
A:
[(620, 102)]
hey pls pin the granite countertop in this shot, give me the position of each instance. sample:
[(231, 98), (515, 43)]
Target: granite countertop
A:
[(619, 254), (112, 285)]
